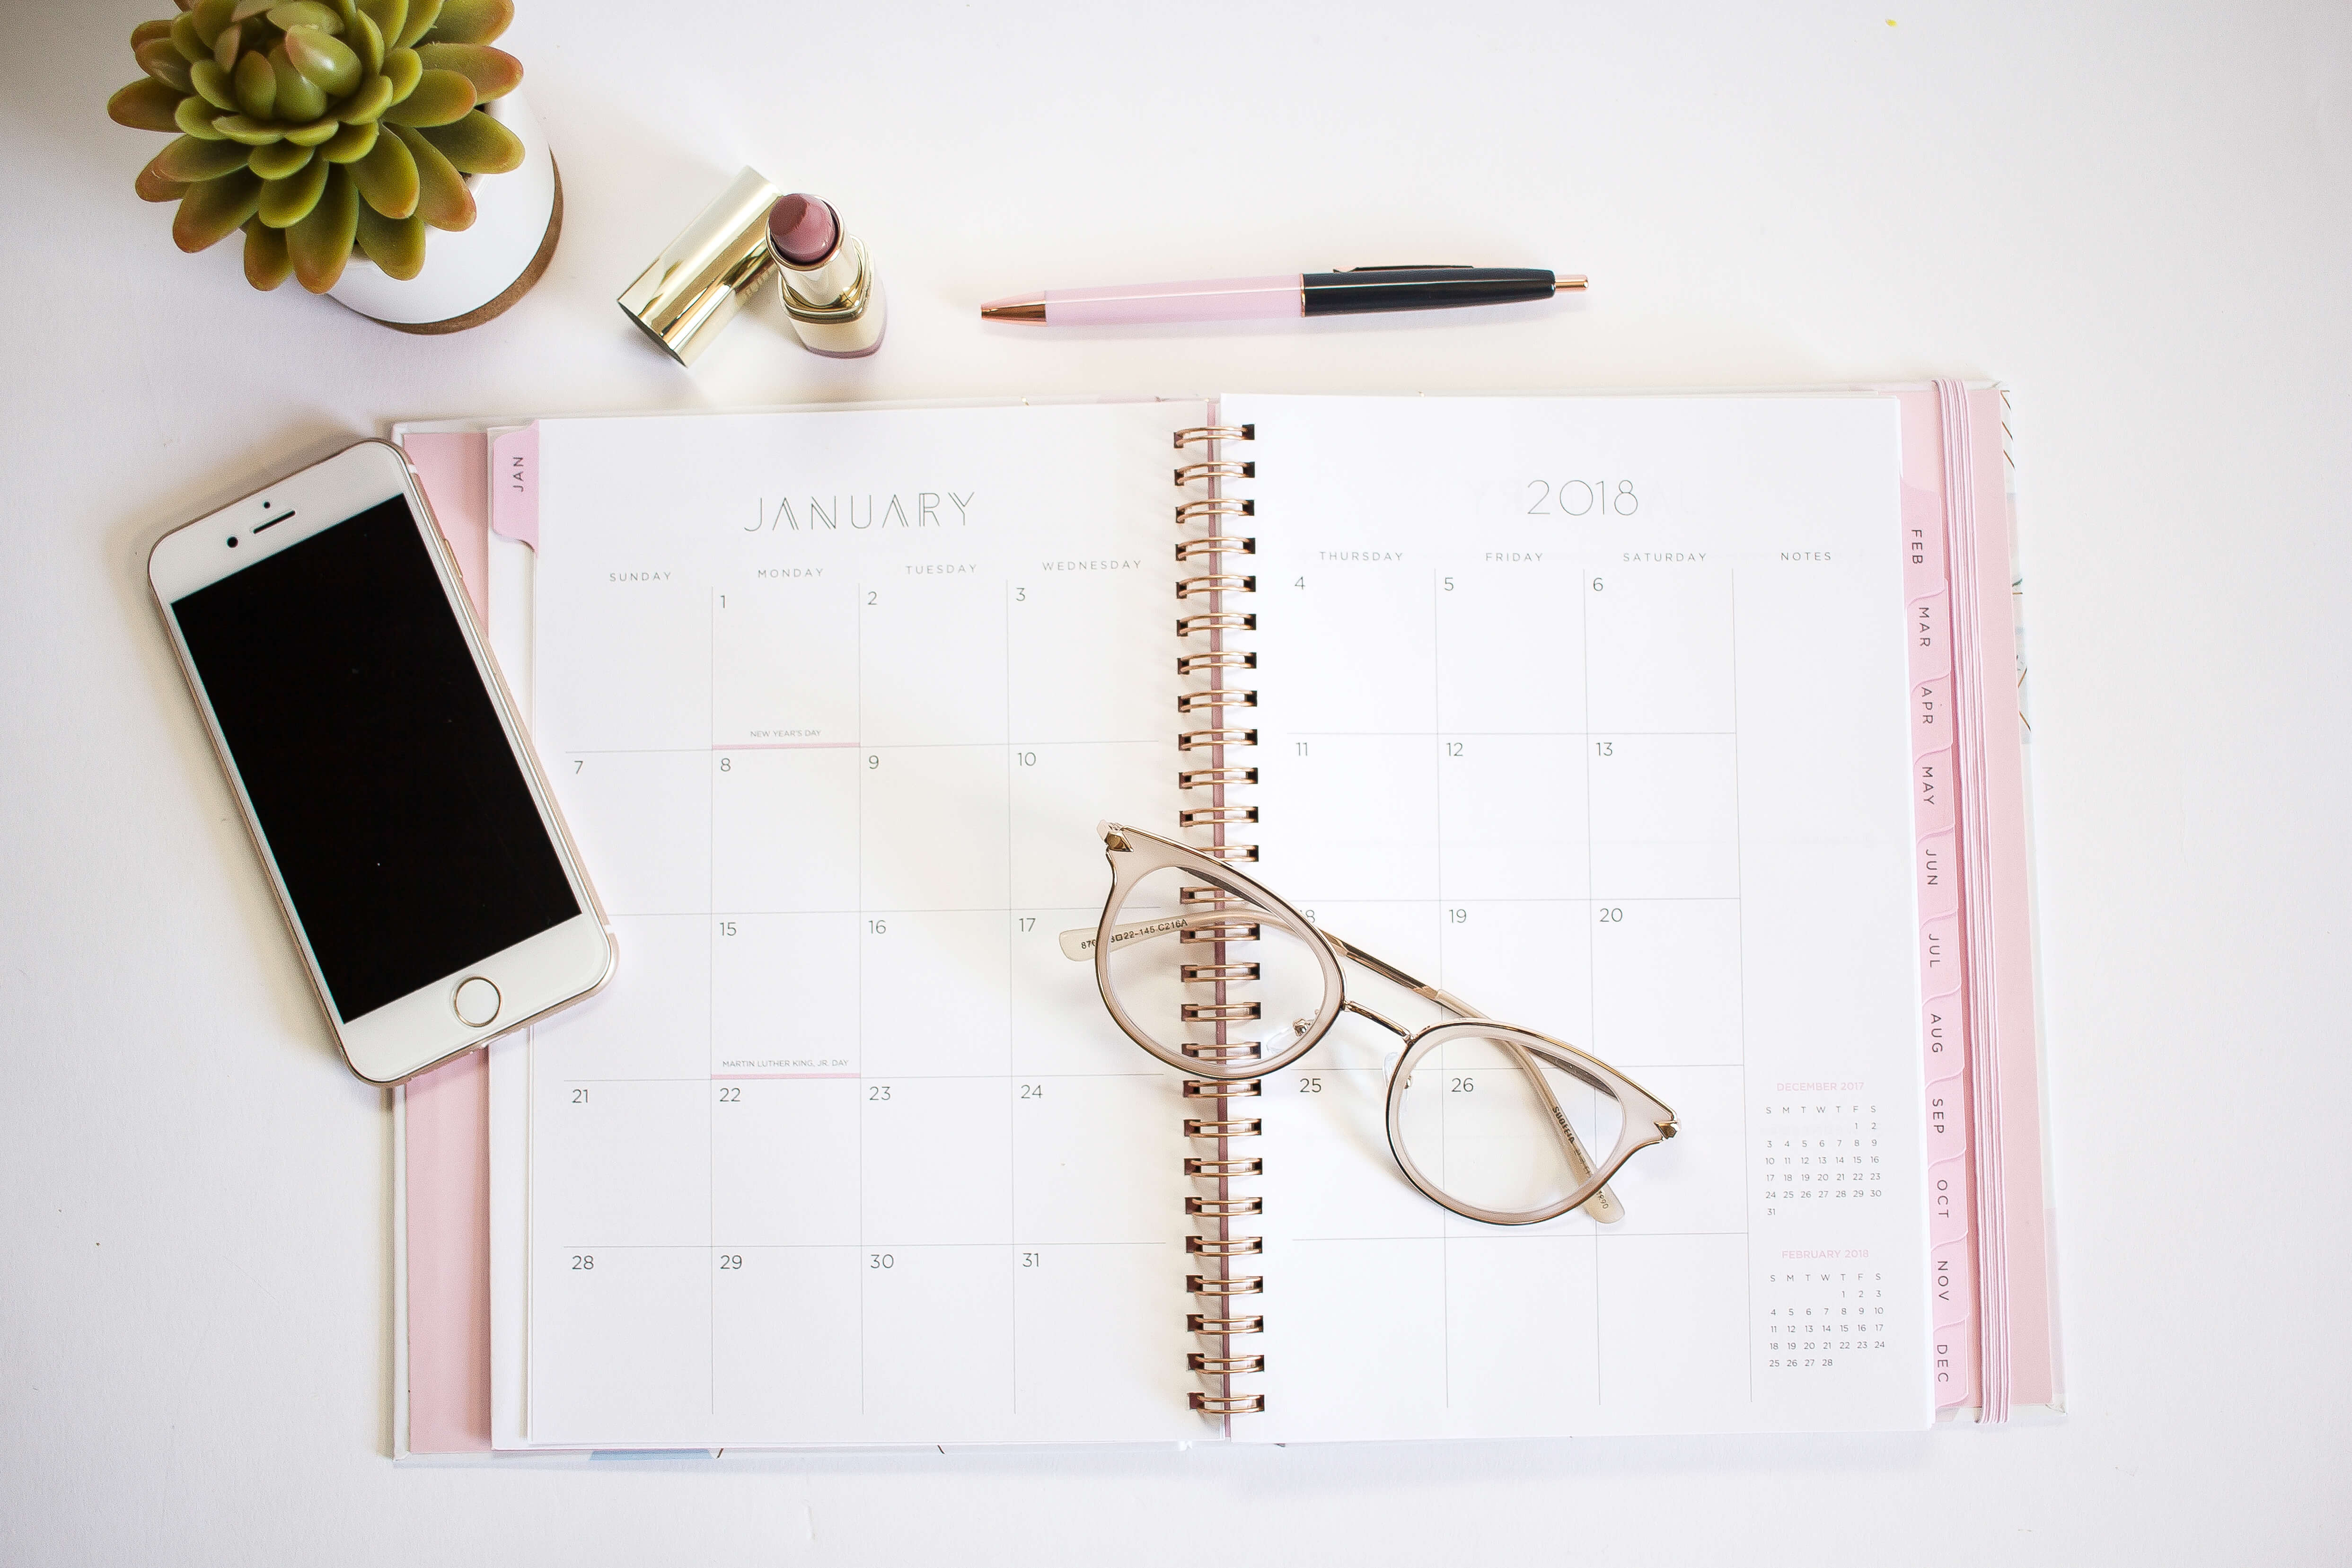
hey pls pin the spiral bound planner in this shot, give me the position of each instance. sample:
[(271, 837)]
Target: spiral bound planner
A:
[(1672, 727)]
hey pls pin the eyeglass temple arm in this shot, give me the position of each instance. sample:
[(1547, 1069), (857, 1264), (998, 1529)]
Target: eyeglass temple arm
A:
[(1602, 1206)]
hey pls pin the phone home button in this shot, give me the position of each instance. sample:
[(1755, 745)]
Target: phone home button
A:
[(476, 1002)]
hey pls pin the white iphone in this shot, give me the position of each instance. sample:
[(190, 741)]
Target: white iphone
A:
[(415, 848)]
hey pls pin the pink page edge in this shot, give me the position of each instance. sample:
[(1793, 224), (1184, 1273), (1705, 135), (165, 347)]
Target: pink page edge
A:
[(446, 1110)]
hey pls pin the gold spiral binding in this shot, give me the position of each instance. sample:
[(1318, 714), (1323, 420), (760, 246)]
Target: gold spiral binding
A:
[(1224, 659), (1231, 1127), (1196, 739), (1231, 1404), (1224, 696), (1216, 545), (1213, 918), (1221, 470), (1214, 778), (1211, 433), (1218, 930), (1215, 582), (1216, 621)]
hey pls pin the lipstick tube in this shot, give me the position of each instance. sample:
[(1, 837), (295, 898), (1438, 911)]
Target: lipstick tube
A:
[(830, 291), (698, 283)]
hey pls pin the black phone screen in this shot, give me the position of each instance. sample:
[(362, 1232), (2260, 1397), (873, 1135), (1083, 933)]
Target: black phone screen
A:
[(396, 813)]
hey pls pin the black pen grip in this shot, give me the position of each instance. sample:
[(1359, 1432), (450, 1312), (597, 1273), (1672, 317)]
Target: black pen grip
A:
[(1423, 289)]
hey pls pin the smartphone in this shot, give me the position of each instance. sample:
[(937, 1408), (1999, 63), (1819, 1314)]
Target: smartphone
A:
[(416, 849)]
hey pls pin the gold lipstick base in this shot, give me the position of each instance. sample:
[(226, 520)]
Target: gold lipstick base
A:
[(846, 320)]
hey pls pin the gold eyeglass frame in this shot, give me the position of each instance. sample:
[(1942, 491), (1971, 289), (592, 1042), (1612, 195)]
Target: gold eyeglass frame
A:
[(1135, 853)]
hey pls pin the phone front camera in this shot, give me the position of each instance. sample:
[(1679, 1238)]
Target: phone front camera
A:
[(232, 541)]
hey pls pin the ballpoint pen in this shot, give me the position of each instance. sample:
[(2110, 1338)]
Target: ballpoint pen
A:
[(1350, 292)]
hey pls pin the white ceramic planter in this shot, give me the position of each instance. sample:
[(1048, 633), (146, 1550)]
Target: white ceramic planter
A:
[(473, 274)]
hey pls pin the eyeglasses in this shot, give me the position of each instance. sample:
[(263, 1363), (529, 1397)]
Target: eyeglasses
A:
[(1483, 1117)]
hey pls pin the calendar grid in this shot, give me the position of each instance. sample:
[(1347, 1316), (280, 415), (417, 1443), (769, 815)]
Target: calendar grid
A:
[(905, 1080)]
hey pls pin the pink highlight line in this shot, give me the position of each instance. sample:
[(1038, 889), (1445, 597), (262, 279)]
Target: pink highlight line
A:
[(718, 1076)]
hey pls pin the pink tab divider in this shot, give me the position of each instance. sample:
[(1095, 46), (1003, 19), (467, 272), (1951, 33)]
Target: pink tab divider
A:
[(514, 485), (1994, 1337), (446, 1111)]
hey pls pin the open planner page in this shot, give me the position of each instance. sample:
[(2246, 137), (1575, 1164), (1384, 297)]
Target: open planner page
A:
[(848, 1153), (1593, 712)]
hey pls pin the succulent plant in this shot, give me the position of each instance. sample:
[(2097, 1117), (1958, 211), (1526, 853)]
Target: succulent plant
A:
[(314, 125)]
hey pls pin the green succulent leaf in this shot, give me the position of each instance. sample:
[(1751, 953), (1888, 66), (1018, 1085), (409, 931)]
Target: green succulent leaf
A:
[(306, 14), (442, 199), (369, 42), (317, 132), (154, 187), (246, 8), (212, 17), (149, 32), (321, 242), (387, 177), (350, 13), (350, 143), (472, 21), (266, 265), (214, 209), (404, 68), (145, 105), (389, 16), (441, 96), (251, 131), (186, 39), (278, 160), (373, 97), (213, 85), (159, 59), (299, 97), (422, 14), (478, 144), (494, 72), (286, 202), (256, 87), (395, 244), (195, 118), (192, 161), (328, 62), (225, 46)]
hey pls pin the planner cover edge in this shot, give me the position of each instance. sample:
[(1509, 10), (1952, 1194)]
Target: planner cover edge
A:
[(2025, 1291)]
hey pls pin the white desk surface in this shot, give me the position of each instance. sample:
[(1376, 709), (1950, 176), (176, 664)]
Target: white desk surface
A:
[(2140, 220)]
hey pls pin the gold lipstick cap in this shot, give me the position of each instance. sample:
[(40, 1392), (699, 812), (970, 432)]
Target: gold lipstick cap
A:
[(702, 277)]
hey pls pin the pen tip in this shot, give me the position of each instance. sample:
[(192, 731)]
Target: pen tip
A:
[(1573, 280), (1021, 307)]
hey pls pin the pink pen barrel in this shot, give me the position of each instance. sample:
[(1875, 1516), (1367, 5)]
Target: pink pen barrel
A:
[(1281, 297)]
